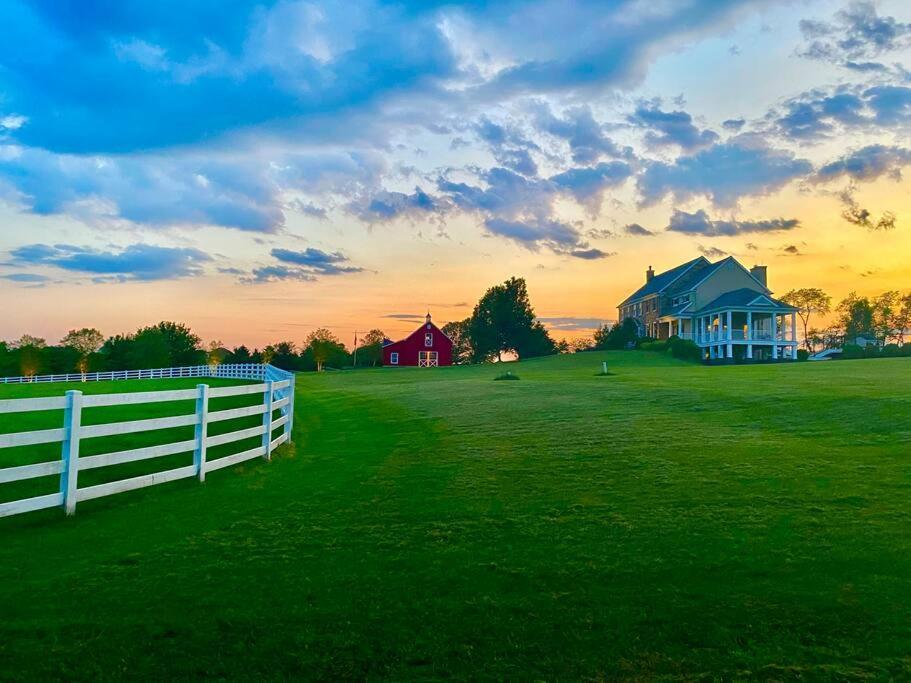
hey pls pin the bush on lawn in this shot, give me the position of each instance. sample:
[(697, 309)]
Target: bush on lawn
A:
[(506, 375), (683, 349), (803, 354)]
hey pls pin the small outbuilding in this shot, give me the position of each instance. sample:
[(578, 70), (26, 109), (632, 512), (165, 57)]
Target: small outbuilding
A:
[(426, 347)]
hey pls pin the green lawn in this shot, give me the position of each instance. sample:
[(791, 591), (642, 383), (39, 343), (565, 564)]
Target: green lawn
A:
[(668, 521)]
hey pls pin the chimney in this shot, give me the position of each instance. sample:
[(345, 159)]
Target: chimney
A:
[(649, 274), (761, 274)]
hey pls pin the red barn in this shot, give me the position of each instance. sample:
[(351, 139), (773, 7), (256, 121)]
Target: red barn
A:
[(426, 347)]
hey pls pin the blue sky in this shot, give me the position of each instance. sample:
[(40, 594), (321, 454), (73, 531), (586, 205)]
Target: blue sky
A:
[(327, 163)]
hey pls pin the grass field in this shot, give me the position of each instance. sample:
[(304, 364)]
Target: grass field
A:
[(668, 521)]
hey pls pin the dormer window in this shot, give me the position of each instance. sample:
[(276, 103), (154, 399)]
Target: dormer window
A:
[(428, 339)]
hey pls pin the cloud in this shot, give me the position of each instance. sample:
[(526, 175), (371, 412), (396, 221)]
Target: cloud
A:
[(671, 128), (29, 278), (534, 233), (820, 114), (571, 324), (317, 261), (578, 128), (386, 206), (591, 254), (136, 262), (791, 250), (508, 145), (733, 125), (711, 252), (817, 114), (266, 274), (855, 214), (638, 230), (857, 33), (587, 184), (699, 223), (724, 172), (867, 163)]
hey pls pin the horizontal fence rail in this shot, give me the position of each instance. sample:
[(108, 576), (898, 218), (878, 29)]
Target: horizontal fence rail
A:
[(251, 371), (275, 385)]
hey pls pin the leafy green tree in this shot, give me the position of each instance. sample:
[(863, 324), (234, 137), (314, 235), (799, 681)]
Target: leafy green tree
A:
[(324, 347), (30, 356), (283, 355), (855, 317), (618, 336), (504, 321), (371, 349), (85, 342), (115, 352), (239, 354), (459, 332), (808, 301)]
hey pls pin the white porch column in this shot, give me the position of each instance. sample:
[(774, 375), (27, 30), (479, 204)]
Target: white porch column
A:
[(730, 336), (750, 328), (749, 350), (794, 333), (730, 327)]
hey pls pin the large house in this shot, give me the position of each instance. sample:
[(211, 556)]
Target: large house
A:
[(426, 347), (727, 310)]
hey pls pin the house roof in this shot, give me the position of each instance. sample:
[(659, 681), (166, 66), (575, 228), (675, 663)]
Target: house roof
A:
[(745, 298), (694, 276), (661, 281)]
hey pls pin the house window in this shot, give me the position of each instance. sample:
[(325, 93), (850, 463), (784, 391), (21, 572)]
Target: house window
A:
[(394, 358), (428, 339)]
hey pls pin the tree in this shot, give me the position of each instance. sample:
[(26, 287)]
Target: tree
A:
[(29, 353), (581, 344), (371, 349), (283, 355), (503, 321), (617, 337), (902, 318), (808, 301), (85, 342), (240, 354), (855, 317), (323, 346), (29, 340), (458, 332)]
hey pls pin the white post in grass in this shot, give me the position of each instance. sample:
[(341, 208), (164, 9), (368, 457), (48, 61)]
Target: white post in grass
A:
[(267, 421), (290, 408), (72, 421), (202, 430)]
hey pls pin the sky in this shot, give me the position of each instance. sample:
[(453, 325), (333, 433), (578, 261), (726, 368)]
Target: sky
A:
[(260, 169)]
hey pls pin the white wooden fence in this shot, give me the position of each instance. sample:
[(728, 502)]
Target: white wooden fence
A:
[(235, 370), (277, 388)]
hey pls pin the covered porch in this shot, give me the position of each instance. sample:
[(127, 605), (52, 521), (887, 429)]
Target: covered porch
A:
[(743, 325)]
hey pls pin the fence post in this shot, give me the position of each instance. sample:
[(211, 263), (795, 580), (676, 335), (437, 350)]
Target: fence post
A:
[(72, 421), (267, 420), (202, 430), (290, 408)]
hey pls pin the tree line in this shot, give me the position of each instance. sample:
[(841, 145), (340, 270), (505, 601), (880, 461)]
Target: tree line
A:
[(503, 322), (881, 319)]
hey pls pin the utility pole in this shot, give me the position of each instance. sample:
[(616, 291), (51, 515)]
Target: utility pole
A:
[(355, 349)]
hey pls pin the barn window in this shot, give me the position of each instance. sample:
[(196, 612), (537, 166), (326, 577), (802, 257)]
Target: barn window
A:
[(428, 339), (394, 358)]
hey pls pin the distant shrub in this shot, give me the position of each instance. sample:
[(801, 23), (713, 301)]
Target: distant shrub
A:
[(506, 375), (684, 349), (892, 350), (650, 345), (803, 354), (852, 351)]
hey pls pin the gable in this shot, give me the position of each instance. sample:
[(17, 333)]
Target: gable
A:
[(726, 276)]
